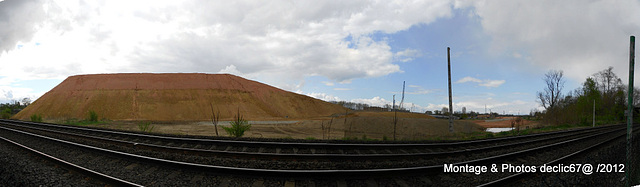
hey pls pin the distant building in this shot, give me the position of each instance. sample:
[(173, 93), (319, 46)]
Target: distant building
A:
[(484, 116), (444, 117)]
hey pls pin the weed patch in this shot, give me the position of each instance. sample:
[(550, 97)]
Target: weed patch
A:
[(238, 127), (145, 126), (36, 118)]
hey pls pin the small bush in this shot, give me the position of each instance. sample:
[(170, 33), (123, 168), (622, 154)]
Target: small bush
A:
[(6, 113), (310, 138), (504, 133), (36, 118), (145, 127), (93, 116), (385, 138), (349, 138), (238, 127), (489, 135)]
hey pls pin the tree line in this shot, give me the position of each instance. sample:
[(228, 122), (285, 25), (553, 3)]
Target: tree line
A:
[(603, 89), (362, 106), (9, 109)]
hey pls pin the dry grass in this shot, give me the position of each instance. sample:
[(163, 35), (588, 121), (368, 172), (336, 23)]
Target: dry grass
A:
[(390, 114), (503, 122), (373, 127)]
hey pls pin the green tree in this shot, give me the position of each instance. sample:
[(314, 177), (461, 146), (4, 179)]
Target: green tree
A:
[(6, 113), (238, 127)]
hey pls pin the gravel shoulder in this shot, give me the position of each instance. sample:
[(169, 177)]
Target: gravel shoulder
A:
[(18, 167)]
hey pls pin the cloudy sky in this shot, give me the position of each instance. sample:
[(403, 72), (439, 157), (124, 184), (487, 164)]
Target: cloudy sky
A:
[(353, 50)]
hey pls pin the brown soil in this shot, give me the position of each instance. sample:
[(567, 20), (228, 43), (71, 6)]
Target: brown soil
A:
[(172, 97), (503, 122)]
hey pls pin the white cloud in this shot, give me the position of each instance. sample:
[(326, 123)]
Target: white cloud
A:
[(406, 55), (492, 83), (342, 89), (509, 107), (278, 41), (517, 55), (327, 83), (578, 37), (231, 69), (375, 101), (417, 90), (478, 105), (469, 79), (8, 94), (486, 83), (324, 96)]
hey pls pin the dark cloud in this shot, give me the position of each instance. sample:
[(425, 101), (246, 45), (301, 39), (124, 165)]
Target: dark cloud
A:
[(19, 20)]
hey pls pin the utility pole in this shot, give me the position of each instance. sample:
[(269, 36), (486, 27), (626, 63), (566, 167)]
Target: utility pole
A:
[(395, 118), (393, 107), (450, 100), (594, 113), (402, 100), (632, 48)]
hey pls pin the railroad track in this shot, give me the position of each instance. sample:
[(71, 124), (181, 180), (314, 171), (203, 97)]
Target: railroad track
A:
[(426, 173), (294, 150)]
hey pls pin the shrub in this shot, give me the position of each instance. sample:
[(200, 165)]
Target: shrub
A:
[(6, 113), (238, 127), (489, 135), (145, 127), (385, 138), (93, 116), (36, 118)]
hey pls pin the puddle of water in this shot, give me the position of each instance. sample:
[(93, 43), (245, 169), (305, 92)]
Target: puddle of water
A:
[(496, 130)]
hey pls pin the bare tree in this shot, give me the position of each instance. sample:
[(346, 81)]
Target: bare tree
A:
[(215, 118), (329, 129), (636, 96), (552, 93), (607, 80), (323, 131), (26, 101)]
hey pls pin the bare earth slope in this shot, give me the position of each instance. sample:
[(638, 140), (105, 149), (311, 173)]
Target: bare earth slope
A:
[(172, 97)]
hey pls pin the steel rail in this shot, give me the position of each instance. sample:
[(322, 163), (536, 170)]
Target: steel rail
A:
[(315, 173), (82, 170), (506, 180), (305, 144), (299, 156)]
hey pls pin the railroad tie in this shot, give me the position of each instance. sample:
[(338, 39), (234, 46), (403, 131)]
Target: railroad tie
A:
[(131, 166), (149, 171), (258, 183), (196, 180), (371, 182), (290, 184), (401, 182)]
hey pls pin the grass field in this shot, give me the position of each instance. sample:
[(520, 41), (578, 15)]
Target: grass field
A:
[(356, 126)]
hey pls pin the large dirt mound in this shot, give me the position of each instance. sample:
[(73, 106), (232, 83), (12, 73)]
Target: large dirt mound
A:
[(172, 97)]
